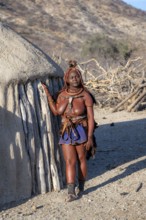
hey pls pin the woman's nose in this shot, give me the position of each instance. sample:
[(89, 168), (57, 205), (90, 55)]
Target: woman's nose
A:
[(75, 78)]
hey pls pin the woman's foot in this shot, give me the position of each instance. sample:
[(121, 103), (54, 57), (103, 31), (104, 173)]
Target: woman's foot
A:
[(71, 192), (79, 192), (80, 189), (71, 197)]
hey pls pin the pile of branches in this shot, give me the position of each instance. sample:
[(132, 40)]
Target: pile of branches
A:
[(122, 87)]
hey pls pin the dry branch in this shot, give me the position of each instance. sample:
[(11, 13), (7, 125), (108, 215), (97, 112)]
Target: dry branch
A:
[(117, 87), (136, 102), (97, 64)]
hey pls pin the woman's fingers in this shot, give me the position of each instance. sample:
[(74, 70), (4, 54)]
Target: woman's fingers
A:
[(45, 87), (87, 145)]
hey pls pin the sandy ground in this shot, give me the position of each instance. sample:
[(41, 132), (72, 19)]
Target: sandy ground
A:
[(116, 184)]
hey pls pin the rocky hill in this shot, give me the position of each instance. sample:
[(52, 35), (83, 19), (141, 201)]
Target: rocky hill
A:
[(78, 28)]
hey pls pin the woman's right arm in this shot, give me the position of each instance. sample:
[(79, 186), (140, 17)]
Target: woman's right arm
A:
[(59, 107)]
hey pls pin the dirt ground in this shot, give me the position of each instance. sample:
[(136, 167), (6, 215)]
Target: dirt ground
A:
[(116, 184)]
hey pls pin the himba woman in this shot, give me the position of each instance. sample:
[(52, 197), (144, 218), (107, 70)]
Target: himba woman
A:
[(75, 105)]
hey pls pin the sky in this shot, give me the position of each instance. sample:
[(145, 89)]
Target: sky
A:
[(140, 4)]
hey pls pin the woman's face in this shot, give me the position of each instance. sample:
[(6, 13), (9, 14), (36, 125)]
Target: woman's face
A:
[(74, 79)]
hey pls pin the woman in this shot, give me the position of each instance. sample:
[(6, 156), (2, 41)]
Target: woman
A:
[(75, 105)]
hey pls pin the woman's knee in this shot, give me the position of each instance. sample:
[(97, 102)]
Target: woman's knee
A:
[(70, 161), (81, 153), (69, 153), (82, 158)]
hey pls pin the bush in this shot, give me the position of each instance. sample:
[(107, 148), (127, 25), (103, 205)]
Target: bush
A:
[(105, 47)]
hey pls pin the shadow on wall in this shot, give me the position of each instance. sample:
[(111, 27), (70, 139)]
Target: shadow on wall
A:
[(27, 143), (118, 144), (15, 176)]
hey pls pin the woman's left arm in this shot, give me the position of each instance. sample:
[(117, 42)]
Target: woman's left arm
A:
[(90, 118)]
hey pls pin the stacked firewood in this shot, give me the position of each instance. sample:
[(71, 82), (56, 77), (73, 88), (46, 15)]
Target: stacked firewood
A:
[(134, 100), (122, 87)]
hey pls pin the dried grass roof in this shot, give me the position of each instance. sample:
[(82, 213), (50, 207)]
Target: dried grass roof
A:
[(20, 60)]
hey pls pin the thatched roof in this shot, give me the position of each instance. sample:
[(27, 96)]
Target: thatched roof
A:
[(20, 60)]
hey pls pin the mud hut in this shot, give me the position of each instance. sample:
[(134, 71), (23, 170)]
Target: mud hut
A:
[(30, 159)]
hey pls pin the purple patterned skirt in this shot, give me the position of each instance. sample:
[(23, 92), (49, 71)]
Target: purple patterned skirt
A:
[(74, 135)]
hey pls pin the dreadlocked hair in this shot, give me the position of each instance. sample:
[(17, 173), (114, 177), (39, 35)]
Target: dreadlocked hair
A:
[(72, 68), (72, 63)]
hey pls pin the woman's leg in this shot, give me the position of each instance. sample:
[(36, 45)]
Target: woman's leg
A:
[(82, 166), (70, 156)]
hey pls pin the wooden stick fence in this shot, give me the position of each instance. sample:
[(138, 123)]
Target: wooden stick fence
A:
[(41, 130)]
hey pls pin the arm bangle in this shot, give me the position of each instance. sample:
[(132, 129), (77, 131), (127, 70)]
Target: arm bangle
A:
[(50, 101)]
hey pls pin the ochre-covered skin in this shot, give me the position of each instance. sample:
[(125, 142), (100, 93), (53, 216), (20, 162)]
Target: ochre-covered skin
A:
[(81, 105), (74, 101)]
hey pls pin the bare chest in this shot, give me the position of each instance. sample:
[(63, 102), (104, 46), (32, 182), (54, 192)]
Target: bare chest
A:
[(76, 106)]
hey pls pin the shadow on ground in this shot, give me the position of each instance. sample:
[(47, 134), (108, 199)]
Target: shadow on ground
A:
[(118, 143)]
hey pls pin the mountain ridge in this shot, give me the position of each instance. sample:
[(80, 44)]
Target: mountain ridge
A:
[(63, 27)]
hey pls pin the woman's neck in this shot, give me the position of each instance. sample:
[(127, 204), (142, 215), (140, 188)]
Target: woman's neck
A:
[(74, 90)]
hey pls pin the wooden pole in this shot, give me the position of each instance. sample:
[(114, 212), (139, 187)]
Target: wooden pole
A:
[(30, 134), (47, 117), (39, 153), (40, 159)]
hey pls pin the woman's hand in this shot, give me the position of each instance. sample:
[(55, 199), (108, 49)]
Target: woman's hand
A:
[(50, 99), (44, 87), (46, 91), (89, 143)]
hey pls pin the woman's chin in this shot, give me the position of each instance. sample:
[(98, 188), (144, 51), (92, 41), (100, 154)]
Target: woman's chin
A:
[(76, 85)]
